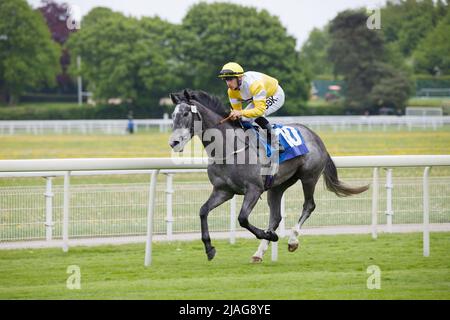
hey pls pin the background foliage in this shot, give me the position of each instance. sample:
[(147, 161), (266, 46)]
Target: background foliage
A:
[(140, 61)]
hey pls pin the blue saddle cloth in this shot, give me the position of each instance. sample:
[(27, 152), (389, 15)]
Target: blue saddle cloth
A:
[(289, 137)]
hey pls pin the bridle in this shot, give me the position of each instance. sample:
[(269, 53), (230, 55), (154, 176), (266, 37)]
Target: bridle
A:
[(194, 112)]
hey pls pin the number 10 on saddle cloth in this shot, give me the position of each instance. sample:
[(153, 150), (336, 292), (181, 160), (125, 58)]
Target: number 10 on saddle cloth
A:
[(289, 137)]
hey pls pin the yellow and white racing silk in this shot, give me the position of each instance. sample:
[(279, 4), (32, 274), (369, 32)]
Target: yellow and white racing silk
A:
[(255, 87)]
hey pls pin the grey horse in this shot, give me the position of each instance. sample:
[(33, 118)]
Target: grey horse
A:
[(232, 177)]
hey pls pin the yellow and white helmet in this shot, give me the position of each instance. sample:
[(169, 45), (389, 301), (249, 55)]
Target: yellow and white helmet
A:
[(231, 70)]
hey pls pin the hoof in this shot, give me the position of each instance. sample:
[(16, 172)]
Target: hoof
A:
[(256, 259), (271, 236), (211, 253), (292, 247)]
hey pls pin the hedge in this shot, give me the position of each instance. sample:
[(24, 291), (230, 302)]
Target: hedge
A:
[(74, 112)]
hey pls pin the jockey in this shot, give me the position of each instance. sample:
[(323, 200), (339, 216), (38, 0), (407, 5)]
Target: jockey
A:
[(262, 92)]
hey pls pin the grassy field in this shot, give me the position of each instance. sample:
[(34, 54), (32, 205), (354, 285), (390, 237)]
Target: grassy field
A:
[(325, 267), (342, 143)]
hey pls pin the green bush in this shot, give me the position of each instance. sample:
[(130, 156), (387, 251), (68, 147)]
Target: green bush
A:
[(323, 108), (74, 112), (427, 81), (48, 97)]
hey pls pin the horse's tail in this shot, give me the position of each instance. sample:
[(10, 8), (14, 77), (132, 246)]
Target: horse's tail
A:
[(333, 184)]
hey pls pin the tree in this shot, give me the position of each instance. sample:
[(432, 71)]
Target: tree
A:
[(392, 89), (56, 16), (419, 20), (406, 22), (142, 60), (360, 56), (226, 32), (353, 51), (313, 54), (433, 52), (28, 56), (123, 57)]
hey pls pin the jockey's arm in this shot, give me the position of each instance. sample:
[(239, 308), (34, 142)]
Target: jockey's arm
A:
[(259, 101), (235, 99)]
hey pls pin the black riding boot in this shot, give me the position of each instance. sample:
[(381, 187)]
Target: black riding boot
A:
[(264, 124)]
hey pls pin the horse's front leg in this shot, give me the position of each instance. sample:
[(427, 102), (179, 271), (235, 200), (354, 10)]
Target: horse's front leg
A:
[(216, 198), (250, 200)]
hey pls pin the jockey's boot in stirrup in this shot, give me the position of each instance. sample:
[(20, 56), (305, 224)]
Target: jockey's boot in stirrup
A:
[(264, 124), (273, 167)]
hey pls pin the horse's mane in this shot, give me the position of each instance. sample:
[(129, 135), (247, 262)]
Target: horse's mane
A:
[(211, 102)]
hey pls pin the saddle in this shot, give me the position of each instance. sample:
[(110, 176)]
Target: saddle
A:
[(291, 140)]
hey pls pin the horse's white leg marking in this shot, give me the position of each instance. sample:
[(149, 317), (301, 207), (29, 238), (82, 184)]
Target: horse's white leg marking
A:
[(294, 234), (263, 246)]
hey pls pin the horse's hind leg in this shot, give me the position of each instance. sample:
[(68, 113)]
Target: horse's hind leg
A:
[(274, 196), (308, 207), (250, 199), (274, 199)]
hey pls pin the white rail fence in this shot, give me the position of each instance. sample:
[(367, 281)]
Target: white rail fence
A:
[(119, 213), (368, 123), (335, 123), (106, 126), (424, 111)]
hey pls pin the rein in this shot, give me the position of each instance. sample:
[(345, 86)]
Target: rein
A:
[(225, 120)]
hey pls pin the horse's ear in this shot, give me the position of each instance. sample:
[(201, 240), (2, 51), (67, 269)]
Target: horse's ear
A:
[(174, 98), (187, 95)]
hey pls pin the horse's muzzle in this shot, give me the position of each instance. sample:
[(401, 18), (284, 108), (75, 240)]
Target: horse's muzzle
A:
[(173, 144)]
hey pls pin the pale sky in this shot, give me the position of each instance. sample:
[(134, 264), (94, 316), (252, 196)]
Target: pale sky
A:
[(298, 16)]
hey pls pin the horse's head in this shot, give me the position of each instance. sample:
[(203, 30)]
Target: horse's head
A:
[(183, 120)]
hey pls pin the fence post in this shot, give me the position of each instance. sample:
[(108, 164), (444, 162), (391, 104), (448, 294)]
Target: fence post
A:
[(426, 213), (374, 202), (274, 251), (283, 217), (233, 220), (163, 126), (150, 213), (66, 212), (169, 205), (48, 209), (389, 211)]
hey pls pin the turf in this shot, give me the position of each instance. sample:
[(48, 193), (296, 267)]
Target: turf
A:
[(144, 144), (325, 267)]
